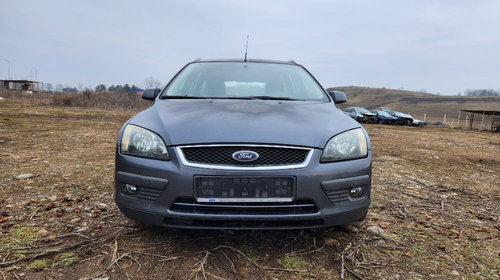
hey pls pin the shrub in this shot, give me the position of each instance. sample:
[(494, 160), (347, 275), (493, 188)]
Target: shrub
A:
[(87, 99)]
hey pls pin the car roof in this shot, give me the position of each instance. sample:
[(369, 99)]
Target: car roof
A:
[(247, 60)]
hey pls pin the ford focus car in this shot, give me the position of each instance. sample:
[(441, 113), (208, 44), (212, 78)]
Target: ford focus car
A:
[(243, 144)]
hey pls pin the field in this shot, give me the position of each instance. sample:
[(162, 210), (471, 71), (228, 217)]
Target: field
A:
[(435, 205), (420, 104)]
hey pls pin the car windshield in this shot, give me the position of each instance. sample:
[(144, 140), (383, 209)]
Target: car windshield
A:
[(362, 110), (244, 80)]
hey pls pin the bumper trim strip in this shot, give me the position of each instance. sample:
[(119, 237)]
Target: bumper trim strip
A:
[(141, 180), (185, 162)]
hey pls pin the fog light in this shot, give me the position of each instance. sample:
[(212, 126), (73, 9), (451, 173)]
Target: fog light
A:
[(356, 192), (131, 189)]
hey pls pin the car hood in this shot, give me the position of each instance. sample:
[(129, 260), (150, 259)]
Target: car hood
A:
[(403, 115), (369, 114), (298, 123)]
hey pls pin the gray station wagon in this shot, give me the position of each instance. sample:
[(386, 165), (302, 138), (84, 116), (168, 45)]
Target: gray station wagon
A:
[(243, 144)]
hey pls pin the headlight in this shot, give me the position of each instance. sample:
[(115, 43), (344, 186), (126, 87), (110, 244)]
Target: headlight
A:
[(140, 142), (348, 145)]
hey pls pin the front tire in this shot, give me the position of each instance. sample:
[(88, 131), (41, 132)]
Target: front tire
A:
[(356, 225)]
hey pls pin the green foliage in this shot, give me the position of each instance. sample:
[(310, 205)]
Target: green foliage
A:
[(22, 234), (101, 87), (37, 265), (123, 88), (65, 259), (291, 262), (417, 250)]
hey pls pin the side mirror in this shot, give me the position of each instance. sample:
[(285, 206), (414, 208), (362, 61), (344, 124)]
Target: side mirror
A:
[(150, 94), (338, 96)]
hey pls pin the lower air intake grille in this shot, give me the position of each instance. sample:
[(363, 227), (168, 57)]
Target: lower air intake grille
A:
[(246, 224), (342, 196), (294, 208), (148, 193), (143, 193), (339, 197)]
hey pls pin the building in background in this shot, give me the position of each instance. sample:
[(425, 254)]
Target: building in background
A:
[(26, 85)]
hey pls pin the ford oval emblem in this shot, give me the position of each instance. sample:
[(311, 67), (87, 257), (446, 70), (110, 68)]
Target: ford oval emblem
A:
[(245, 156)]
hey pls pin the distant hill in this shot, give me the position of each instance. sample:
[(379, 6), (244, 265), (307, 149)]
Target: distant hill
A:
[(416, 103)]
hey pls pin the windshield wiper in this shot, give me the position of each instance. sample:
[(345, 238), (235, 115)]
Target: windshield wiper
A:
[(261, 97), (265, 97), (183, 97), (204, 97)]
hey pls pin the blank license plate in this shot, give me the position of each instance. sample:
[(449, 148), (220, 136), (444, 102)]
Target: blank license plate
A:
[(244, 189)]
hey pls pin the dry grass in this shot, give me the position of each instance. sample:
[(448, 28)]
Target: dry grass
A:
[(86, 99), (418, 104), (435, 193)]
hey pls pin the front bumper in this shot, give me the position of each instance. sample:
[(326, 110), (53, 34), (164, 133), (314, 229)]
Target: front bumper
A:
[(165, 195)]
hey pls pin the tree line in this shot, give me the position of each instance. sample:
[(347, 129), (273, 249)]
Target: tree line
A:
[(126, 88), (482, 92), (118, 88), (148, 83)]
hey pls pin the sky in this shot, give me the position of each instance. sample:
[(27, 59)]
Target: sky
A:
[(439, 46)]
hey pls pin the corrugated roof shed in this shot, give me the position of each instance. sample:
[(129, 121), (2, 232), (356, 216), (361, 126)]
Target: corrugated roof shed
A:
[(495, 118)]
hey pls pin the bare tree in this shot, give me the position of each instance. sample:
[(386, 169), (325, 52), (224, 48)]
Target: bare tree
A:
[(49, 87), (152, 83), (482, 92), (100, 88)]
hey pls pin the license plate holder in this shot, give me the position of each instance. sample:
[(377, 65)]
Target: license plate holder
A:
[(243, 189)]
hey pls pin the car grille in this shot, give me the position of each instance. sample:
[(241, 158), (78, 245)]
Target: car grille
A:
[(294, 208), (222, 155)]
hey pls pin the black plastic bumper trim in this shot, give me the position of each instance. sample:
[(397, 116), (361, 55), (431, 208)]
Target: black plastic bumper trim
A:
[(346, 183), (141, 180)]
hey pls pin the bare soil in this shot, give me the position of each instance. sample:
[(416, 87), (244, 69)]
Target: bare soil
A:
[(436, 195)]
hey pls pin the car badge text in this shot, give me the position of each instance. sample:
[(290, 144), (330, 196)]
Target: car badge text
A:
[(245, 156)]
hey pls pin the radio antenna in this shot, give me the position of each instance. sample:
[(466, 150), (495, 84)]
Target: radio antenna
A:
[(246, 49)]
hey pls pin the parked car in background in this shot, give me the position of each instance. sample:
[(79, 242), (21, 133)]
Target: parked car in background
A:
[(384, 117), (355, 115), (403, 119), (366, 116), (418, 123)]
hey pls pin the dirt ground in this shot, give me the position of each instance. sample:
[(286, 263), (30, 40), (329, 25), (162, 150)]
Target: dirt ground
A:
[(436, 196)]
